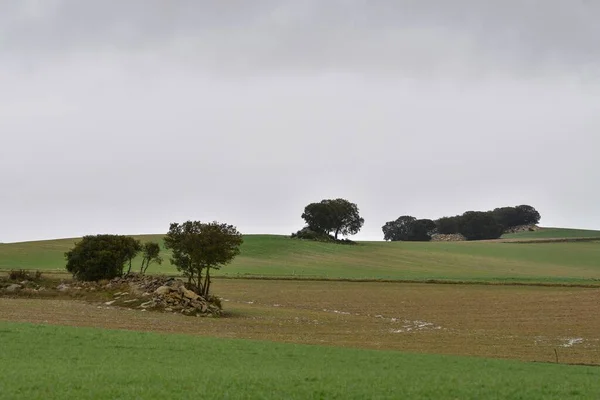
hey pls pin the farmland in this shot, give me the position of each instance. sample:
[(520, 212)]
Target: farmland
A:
[(279, 256), (507, 319), (119, 364)]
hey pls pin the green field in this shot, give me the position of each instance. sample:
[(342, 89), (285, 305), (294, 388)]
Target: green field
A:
[(49, 362), (279, 256), (554, 233)]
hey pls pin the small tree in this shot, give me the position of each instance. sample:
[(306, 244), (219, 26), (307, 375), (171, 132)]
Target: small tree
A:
[(150, 254), (131, 248), (407, 228), (100, 256), (337, 216), (199, 247)]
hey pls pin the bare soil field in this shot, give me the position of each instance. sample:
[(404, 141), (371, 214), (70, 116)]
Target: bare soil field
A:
[(516, 322)]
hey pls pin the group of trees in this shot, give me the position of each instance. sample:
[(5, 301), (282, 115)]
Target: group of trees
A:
[(473, 225), (196, 249), (106, 256)]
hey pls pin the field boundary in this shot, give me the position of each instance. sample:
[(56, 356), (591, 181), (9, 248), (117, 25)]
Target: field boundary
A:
[(595, 284)]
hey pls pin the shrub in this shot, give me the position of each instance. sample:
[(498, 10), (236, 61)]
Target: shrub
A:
[(101, 256), (23, 275), (310, 234)]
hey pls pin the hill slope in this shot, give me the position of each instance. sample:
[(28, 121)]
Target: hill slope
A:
[(554, 233), (280, 256)]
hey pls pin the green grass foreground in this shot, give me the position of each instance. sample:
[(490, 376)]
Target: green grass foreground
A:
[(280, 256), (51, 362)]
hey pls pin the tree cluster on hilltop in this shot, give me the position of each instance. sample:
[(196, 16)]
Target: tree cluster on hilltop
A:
[(473, 225)]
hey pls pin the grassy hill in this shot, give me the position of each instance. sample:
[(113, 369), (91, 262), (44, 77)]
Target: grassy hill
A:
[(280, 256), (554, 233), (76, 363)]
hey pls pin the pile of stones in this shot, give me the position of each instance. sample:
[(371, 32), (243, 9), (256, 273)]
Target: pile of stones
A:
[(159, 293), (453, 237)]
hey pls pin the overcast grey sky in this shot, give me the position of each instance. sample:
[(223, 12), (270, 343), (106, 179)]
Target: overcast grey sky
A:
[(123, 116)]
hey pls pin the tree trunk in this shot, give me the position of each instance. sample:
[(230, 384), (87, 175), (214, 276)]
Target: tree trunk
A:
[(206, 284), (129, 270), (336, 233)]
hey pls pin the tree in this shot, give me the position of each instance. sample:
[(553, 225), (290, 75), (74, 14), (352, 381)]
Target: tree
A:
[(527, 215), (507, 217), (131, 247), (478, 225), (150, 254), (199, 247), (98, 257), (337, 216), (448, 225), (408, 228)]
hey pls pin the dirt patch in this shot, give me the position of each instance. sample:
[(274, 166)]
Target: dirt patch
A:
[(526, 323)]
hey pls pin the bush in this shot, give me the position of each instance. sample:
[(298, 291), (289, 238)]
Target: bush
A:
[(23, 275), (101, 256), (309, 234)]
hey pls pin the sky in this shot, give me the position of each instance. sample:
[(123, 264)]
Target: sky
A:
[(124, 116)]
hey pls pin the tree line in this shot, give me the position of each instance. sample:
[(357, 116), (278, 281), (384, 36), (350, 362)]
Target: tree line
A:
[(329, 218)]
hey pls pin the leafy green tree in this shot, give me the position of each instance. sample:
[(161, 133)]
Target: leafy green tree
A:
[(527, 215), (131, 247), (478, 225), (199, 247), (408, 228), (98, 257), (448, 225), (333, 216), (507, 217), (150, 254)]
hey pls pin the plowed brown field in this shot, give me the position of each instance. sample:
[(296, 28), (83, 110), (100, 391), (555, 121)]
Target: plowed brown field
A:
[(520, 322)]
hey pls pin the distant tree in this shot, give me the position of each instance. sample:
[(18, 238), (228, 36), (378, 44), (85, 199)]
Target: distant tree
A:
[(478, 225), (199, 247), (507, 217), (98, 257), (150, 254), (337, 216), (527, 215), (400, 229), (408, 228), (423, 229), (448, 225)]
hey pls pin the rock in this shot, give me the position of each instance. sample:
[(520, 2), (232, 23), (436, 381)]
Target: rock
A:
[(13, 288), (147, 304), (63, 287), (108, 303), (455, 237), (189, 294), (163, 290)]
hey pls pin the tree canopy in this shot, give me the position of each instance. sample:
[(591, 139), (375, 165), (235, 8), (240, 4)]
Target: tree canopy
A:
[(408, 228), (98, 257), (333, 216), (199, 247)]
